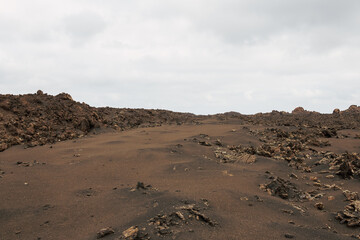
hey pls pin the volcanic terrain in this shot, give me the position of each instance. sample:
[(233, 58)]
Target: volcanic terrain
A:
[(71, 171)]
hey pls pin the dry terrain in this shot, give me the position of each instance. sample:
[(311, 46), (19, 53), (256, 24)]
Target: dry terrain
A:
[(71, 171)]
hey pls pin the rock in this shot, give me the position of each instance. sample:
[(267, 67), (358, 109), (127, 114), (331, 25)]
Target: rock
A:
[(180, 215), (288, 235), (293, 175), (247, 158), (282, 188), (204, 143), (353, 109), (346, 170), (85, 125), (64, 96), (201, 217), (330, 198), (319, 205), (328, 133), (218, 143), (140, 185), (3, 146), (131, 232), (299, 110), (104, 232), (351, 196), (336, 112), (350, 215), (39, 92)]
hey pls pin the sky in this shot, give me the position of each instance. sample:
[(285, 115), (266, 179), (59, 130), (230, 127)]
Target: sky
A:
[(203, 56)]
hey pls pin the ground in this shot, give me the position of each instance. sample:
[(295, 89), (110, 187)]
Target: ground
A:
[(213, 179)]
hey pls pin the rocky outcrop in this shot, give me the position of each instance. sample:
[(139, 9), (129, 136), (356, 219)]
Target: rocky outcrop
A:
[(37, 119)]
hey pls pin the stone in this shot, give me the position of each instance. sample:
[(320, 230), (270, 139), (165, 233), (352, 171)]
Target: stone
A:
[(288, 235), (131, 232), (104, 232), (351, 196), (319, 205)]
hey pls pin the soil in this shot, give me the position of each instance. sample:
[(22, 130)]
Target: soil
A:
[(71, 171)]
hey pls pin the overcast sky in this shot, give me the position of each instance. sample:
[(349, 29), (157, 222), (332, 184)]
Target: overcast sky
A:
[(200, 56)]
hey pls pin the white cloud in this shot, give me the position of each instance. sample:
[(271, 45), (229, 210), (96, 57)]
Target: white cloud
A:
[(196, 56)]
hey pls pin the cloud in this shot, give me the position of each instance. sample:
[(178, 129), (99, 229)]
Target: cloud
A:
[(195, 56), (82, 27)]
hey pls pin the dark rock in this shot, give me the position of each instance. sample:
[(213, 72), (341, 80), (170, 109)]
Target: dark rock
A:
[(140, 185), (319, 205), (104, 232), (288, 235), (282, 188), (204, 143), (346, 170)]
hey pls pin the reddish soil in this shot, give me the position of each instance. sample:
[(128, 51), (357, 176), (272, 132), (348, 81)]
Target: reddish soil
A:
[(85, 173)]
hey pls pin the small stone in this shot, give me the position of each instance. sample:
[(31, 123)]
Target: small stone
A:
[(330, 198), (104, 232), (293, 175), (140, 185), (288, 235), (313, 178), (204, 143), (319, 205), (330, 176)]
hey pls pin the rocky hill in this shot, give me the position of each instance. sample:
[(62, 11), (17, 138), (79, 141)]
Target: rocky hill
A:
[(37, 119)]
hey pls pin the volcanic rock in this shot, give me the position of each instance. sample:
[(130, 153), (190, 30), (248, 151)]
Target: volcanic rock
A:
[(104, 232)]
